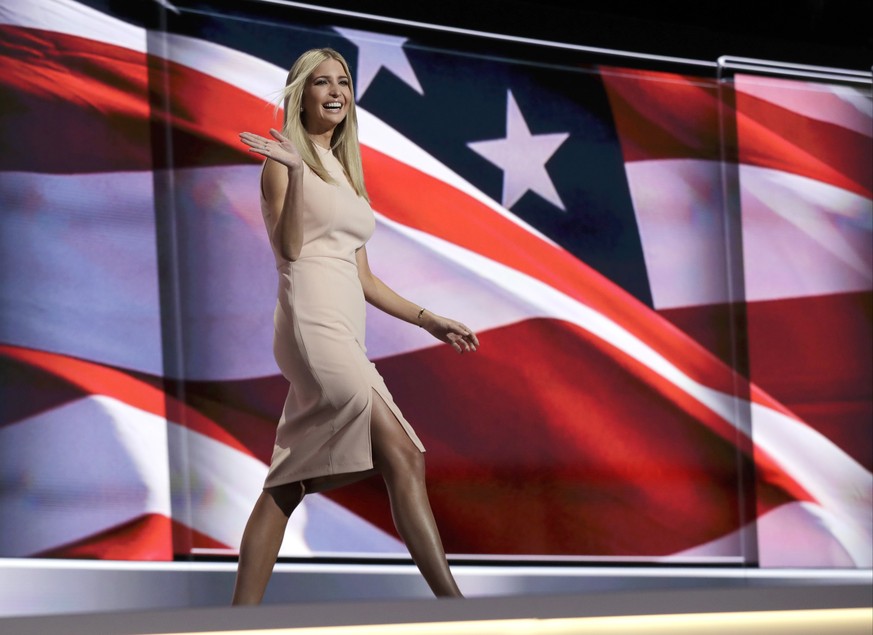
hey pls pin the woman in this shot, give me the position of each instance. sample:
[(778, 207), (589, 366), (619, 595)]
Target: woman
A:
[(340, 423)]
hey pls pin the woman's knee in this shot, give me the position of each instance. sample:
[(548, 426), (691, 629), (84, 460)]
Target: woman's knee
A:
[(404, 461), (393, 450), (287, 496)]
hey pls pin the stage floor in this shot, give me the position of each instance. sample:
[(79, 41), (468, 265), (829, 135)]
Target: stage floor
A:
[(74, 596), (797, 609)]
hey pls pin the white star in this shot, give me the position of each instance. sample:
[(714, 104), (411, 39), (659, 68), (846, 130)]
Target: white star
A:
[(522, 156), (375, 51)]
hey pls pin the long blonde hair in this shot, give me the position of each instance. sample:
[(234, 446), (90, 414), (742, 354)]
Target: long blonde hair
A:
[(345, 137)]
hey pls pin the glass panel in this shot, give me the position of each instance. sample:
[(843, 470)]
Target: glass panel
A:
[(514, 192), (804, 190), (83, 443)]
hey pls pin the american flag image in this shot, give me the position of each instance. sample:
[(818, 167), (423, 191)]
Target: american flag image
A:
[(625, 402)]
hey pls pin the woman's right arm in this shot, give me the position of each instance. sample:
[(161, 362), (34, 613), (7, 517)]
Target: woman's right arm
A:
[(283, 190)]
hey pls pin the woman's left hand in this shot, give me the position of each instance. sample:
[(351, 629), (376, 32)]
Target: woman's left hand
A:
[(462, 338)]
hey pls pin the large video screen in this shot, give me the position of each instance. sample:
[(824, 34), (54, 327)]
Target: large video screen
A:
[(670, 275)]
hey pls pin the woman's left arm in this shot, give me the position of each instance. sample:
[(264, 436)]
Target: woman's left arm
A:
[(383, 297)]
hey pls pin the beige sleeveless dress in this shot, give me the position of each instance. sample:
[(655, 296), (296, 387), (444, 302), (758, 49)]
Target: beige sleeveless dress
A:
[(319, 326)]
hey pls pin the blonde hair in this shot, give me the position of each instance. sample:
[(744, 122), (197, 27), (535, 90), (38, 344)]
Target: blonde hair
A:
[(344, 142)]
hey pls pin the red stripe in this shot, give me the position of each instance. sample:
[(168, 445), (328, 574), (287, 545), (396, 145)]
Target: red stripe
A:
[(669, 116), (93, 96), (773, 137), (101, 94), (663, 115), (827, 343), (148, 537), (27, 391), (603, 456), (97, 379), (248, 409)]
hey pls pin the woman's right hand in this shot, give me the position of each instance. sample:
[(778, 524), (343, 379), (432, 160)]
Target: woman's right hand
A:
[(279, 148), (461, 337)]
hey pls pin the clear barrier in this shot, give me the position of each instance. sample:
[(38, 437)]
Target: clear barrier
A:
[(797, 145)]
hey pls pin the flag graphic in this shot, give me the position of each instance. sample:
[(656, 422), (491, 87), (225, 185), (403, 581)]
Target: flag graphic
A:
[(570, 215)]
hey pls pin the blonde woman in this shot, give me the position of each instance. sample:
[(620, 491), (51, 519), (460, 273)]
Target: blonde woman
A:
[(339, 423)]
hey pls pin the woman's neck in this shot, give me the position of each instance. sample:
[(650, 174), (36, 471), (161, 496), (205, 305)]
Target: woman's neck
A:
[(322, 139)]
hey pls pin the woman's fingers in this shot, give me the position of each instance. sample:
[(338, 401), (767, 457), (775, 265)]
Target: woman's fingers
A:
[(461, 338), (255, 142), (455, 341), (278, 135), (250, 137), (461, 343), (279, 148), (469, 337), (258, 141)]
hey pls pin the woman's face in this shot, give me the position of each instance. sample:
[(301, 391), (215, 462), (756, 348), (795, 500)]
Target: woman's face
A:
[(326, 97)]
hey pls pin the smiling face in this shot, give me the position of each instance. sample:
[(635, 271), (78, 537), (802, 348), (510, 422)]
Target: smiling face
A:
[(326, 98)]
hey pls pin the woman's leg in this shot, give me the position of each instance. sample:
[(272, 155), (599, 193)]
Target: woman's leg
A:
[(261, 541), (402, 467)]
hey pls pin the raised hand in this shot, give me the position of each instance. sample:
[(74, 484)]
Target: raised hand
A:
[(462, 338), (279, 148)]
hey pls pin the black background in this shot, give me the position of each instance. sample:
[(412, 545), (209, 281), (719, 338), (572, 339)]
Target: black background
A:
[(833, 33), (821, 32)]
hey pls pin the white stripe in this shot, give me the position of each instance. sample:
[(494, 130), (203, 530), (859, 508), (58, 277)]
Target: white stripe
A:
[(445, 283), (842, 487), (242, 71), (806, 534), (84, 277), (217, 487), (223, 485), (73, 18), (82, 273), (801, 237), (678, 209), (91, 465), (797, 534), (78, 470), (81, 267)]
